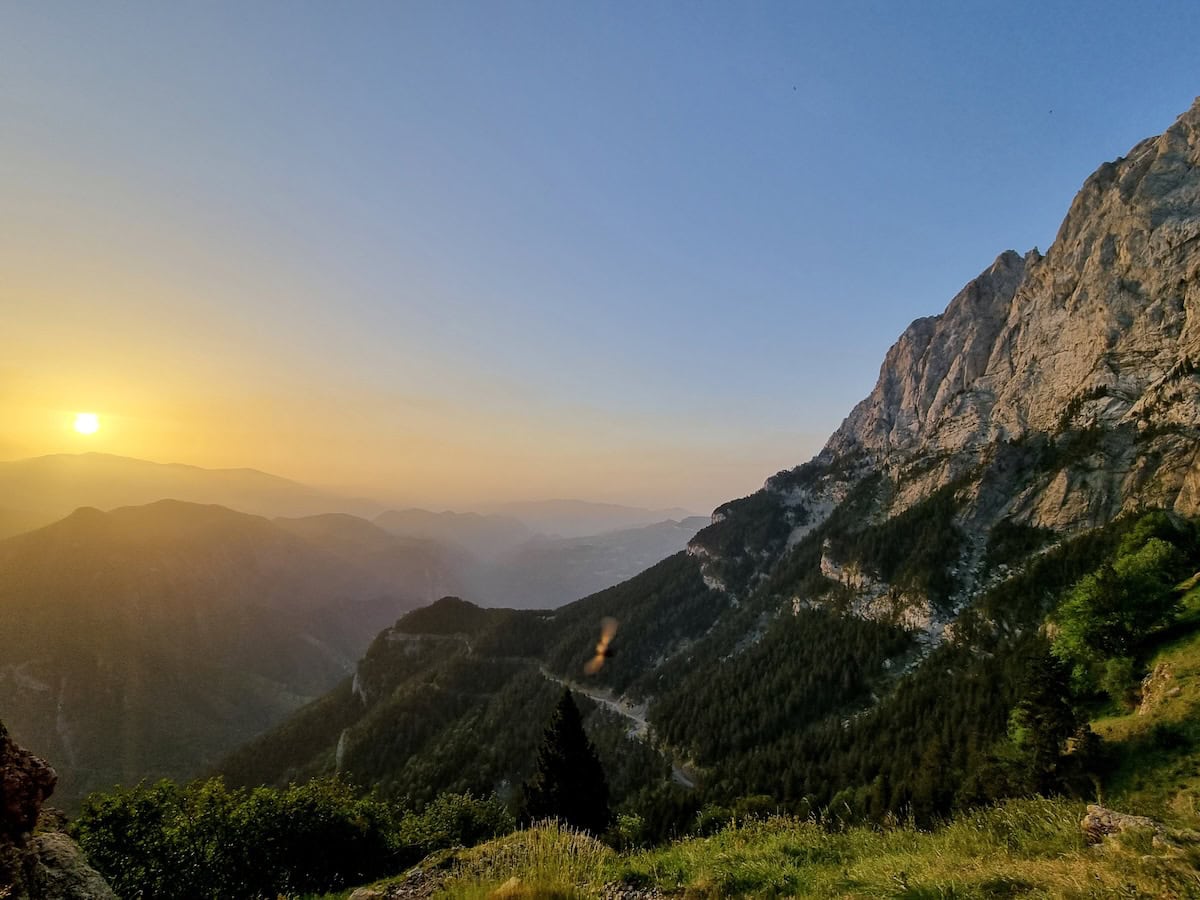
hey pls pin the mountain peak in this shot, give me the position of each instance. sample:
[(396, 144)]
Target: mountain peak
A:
[(935, 363), (1087, 335)]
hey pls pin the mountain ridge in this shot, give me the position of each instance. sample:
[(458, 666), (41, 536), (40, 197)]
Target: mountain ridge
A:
[(149, 640), (49, 487), (1096, 333)]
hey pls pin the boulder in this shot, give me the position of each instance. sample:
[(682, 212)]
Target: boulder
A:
[(46, 864), (1100, 822), (60, 870), (25, 783)]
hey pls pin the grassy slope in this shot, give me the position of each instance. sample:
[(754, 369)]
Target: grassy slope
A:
[(1024, 848), (1156, 755)]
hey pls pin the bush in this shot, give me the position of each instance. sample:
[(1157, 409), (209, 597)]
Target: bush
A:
[(1119, 680), (1109, 613), (711, 819), (455, 820), (628, 832), (208, 841)]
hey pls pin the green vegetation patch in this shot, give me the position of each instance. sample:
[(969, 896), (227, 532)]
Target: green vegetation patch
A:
[(1154, 750), (206, 840), (1023, 848), (1010, 543)]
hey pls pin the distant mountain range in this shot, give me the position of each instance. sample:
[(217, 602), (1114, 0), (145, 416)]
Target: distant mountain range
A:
[(46, 488), (486, 537), (580, 518), (146, 640), (151, 639), (502, 563), (40, 490), (534, 554), (543, 573)]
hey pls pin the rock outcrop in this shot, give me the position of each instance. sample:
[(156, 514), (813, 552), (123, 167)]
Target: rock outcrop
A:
[(1158, 688), (1054, 393), (25, 783), (1101, 823), (43, 863), (1103, 332)]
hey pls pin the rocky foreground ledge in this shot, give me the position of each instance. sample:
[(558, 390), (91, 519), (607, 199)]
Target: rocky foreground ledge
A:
[(37, 860)]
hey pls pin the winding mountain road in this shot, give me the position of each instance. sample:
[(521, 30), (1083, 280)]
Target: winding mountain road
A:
[(635, 713)]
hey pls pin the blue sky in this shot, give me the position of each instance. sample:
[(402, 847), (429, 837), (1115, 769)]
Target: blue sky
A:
[(646, 252)]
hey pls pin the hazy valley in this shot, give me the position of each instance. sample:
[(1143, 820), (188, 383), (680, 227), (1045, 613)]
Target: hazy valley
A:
[(150, 640)]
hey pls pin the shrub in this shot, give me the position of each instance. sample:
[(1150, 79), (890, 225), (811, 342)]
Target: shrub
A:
[(628, 831), (1110, 612), (205, 840), (455, 820), (1118, 680)]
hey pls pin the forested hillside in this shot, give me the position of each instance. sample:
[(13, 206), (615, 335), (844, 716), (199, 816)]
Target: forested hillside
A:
[(150, 641)]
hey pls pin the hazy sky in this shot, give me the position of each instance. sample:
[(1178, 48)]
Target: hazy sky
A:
[(640, 252)]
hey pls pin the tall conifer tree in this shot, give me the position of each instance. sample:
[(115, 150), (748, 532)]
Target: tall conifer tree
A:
[(568, 783)]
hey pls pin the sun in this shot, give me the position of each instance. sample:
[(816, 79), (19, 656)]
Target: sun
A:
[(87, 423)]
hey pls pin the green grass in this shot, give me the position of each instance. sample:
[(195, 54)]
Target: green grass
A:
[(1156, 756), (548, 861), (1027, 848), (1022, 848)]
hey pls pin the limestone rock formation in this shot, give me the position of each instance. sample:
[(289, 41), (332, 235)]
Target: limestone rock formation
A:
[(59, 870), (1101, 823), (1054, 393), (1111, 307), (1102, 333)]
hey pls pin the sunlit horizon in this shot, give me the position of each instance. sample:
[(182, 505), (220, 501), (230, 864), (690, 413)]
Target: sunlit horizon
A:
[(429, 479), (453, 256)]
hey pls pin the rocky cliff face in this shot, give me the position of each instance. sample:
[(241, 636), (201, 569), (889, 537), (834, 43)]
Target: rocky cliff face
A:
[(1102, 333), (1053, 394), (1113, 305), (25, 783)]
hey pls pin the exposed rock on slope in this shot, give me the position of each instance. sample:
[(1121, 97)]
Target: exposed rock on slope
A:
[(25, 783), (46, 864), (1054, 392), (1102, 332)]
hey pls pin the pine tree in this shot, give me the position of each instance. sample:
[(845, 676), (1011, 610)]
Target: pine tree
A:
[(1042, 721), (568, 783)]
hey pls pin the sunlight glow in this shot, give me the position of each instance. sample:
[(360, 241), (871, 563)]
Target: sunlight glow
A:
[(87, 423)]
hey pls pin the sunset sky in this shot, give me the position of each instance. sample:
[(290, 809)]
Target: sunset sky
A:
[(450, 253)]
